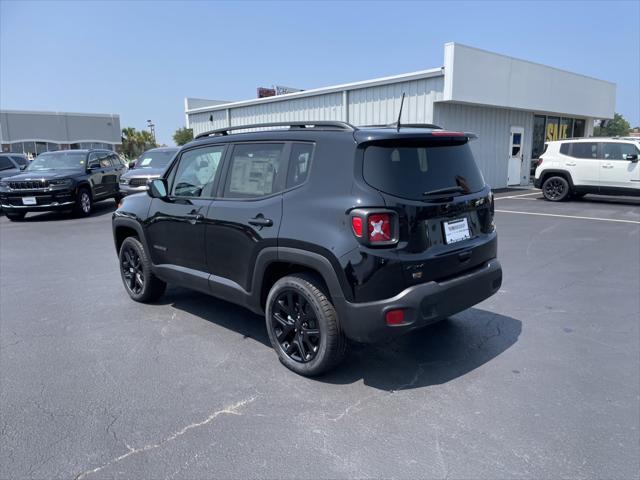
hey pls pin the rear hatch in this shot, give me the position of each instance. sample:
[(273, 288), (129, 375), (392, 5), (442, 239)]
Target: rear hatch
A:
[(443, 208)]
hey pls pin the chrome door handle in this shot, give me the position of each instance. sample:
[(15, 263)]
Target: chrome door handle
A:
[(260, 221), (607, 166), (572, 164)]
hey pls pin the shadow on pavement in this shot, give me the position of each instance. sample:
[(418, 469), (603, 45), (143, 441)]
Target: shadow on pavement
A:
[(431, 356)]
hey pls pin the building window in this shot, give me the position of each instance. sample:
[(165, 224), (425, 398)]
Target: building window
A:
[(538, 136), (578, 128), (566, 128), (553, 127)]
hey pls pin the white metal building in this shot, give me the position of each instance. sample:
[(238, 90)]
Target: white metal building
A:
[(513, 105)]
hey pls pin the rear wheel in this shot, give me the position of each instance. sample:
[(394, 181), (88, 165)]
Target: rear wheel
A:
[(135, 268), (303, 325), (82, 207), (15, 216), (555, 189)]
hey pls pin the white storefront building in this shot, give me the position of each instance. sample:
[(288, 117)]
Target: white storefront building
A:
[(513, 105)]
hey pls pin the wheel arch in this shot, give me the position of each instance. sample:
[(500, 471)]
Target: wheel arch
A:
[(556, 173), (275, 263), (125, 227)]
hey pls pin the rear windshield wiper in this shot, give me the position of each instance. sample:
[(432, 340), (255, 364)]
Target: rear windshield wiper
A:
[(443, 191)]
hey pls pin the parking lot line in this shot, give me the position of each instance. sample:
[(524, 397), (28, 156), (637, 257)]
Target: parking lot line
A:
[(570, 216), (521, 195)]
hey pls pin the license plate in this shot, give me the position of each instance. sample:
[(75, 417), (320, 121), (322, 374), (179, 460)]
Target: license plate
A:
[(29, 201), (456, 230)]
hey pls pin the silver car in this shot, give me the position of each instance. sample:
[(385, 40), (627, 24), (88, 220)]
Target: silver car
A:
[(151, 164)]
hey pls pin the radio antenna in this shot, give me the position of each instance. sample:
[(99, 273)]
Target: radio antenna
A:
[(400, 113)]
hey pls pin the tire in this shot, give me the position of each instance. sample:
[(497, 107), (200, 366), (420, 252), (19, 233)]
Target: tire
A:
[(15, 217), (555, 189), (135, 270), (312, 343), (83, 205)]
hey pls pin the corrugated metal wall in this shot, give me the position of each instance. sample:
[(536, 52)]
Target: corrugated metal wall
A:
[(365, 106), (380, 105), (318, 107), (493, 126), (200, 122)]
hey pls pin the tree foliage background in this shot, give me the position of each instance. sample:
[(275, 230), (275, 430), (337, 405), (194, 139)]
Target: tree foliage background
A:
[(618, 127), (134, 142), (183, 135)]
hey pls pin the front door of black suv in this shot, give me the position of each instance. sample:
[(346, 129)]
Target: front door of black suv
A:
[(247, 217), (176, 225)]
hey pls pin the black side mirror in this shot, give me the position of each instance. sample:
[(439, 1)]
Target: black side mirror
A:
[(22, 167), (132, 165), (632, 157), (157, 188)]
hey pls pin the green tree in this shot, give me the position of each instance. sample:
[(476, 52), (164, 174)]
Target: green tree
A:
[(182, 136), (618, 127), (135, 142), (129, 142)]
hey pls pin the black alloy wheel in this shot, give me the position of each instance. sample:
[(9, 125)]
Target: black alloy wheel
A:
[(555, 189), (295, 326), (132, 271)]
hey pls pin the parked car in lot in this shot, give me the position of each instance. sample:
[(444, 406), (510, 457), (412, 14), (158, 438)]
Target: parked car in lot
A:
[(332, 232), (605, 166), (62, 180), (151, 164), (12, 164)]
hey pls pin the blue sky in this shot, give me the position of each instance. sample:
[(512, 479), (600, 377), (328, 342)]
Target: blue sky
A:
[(140, 59)]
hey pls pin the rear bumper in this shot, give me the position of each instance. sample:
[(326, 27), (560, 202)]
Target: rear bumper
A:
[(422, 304), (537, 183)]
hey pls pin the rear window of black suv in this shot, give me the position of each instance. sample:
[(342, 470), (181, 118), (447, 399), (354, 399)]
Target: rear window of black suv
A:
[(408, 170)]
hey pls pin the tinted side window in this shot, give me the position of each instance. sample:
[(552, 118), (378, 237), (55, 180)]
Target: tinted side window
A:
[(104, 160), (6, 164), (253, 170), (299, 164), (93, 160), (618, 151), (584, 150), (19, 160), (196, 172), (564, 149)]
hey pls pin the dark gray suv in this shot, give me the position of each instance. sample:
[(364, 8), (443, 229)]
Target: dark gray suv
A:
[(151, 164)]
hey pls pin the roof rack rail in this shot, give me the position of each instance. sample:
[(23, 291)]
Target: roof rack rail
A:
[(408, 125), (291, 125)]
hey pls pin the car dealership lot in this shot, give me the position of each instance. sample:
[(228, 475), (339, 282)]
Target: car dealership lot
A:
[(540, 381)]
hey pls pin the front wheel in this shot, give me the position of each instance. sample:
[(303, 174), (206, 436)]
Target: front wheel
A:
[(135, 268), (555, 189), (82, 207), (303, 326)]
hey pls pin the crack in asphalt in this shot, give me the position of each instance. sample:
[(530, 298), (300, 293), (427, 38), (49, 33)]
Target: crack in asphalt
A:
[(230, 410)]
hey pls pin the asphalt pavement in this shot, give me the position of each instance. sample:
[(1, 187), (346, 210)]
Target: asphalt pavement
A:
[(540, 381)]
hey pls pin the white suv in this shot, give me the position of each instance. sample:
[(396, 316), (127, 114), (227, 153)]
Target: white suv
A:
[(606, 166)]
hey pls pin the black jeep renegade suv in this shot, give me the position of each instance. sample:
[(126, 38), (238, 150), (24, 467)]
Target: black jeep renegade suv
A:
[(62, 180), (333, 232)]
